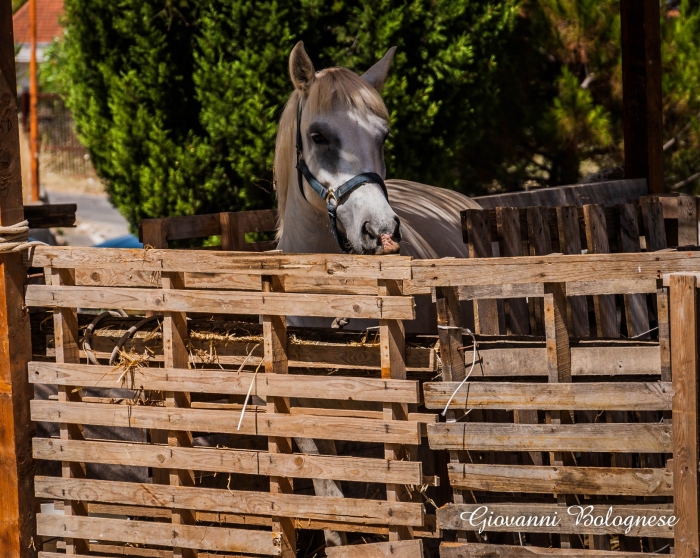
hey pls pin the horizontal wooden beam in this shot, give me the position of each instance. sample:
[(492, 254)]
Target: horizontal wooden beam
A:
[(46, 216), (222, 302), (599, 396), (594, 437), (316, 265), (466, 517), (250, 462), (217, 380), (612, 481), (394, 549), (550, 269), (351, 510), (144, 532), (205, 420), (479, 550)]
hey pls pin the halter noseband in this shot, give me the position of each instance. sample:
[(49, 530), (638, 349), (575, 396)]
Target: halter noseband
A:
[(331, 197)]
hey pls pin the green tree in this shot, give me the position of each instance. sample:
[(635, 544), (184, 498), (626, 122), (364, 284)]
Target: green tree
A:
[(178, 102)]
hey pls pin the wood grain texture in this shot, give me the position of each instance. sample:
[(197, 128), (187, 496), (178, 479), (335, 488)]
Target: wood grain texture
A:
[(451, 517), (476, 550), (686, 456), (143, 532), (404, 549), (350, 510), (634, 438), (205, 420), (561, 480), (217, 380), (310, 265), (552, 268), (511, 245), (598, 396), (17, 506), (356, 469), (222, 302)]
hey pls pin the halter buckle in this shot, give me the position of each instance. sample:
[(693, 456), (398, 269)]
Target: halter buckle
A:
[(331, 196)]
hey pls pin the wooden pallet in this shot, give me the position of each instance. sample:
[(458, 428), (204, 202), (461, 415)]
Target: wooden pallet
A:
[(223, 519)]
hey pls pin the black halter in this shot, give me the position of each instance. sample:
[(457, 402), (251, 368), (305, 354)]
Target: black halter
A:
[(331, 197)]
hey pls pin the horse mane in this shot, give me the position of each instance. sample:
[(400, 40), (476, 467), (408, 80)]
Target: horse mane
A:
[(330, 87)]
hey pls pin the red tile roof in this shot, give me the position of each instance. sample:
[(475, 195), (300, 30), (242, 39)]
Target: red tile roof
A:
[(48, 28)]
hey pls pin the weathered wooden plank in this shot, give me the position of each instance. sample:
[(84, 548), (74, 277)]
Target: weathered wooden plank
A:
[(144, 532), (351, 510), (571, 520), (476, 227), (322, 265), (687, 220), (510, 242), (222, 302), (585, 361), (570, 243), (393, 549), (561, 480), (599, 396), (606, 193), (611, 437), (477, 550), (50, 215), (17, 505), (552, 268), (686, 456), (597, 240), (636, 313), (213, 380), (204, 420), (217, 460)]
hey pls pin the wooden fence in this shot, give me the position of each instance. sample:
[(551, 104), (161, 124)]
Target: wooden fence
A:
[(627, 380)]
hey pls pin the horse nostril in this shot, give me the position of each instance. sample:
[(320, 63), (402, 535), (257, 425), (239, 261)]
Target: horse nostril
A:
[(397, 229), (367, 231)]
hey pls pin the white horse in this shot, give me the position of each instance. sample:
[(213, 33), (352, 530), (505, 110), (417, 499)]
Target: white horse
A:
[(344, 124), (332, 198)]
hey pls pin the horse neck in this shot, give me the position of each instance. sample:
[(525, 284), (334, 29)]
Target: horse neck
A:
[(306, 229)]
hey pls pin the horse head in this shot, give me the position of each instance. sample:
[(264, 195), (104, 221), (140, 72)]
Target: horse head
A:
[(329, 161)]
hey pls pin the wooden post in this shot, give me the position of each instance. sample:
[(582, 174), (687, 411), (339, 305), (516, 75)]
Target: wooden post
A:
[(277, 362), (686, 454), (175, 356), (17, 504), (392, 341), (33, 97), (641, 91), (570, 243)]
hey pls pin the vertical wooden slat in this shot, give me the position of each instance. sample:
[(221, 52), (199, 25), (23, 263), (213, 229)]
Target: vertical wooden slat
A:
[(176, 356), (392, 341), (232, 237), (636, 312), (687, 221), (686, 430), (597, 240), (558, 365), (477, 227), (653, 220), (276, 362), (66, 341), (510, 240), (570, 243), (540, 244), (17, 504)]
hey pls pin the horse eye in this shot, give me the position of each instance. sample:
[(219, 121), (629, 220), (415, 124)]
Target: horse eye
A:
[(319, 139)]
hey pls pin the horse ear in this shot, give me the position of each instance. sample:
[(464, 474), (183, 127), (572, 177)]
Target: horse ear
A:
[(376, 75), (301, 69)]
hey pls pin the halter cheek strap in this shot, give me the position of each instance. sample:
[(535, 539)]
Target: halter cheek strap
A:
[(333, 198)]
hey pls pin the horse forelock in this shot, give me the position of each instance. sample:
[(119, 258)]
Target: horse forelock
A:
[(332, 88)]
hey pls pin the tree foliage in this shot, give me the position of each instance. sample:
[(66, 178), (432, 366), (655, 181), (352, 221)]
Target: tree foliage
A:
[(178, 100)]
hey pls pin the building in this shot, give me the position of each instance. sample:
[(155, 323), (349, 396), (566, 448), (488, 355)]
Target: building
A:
[(48, 28)]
